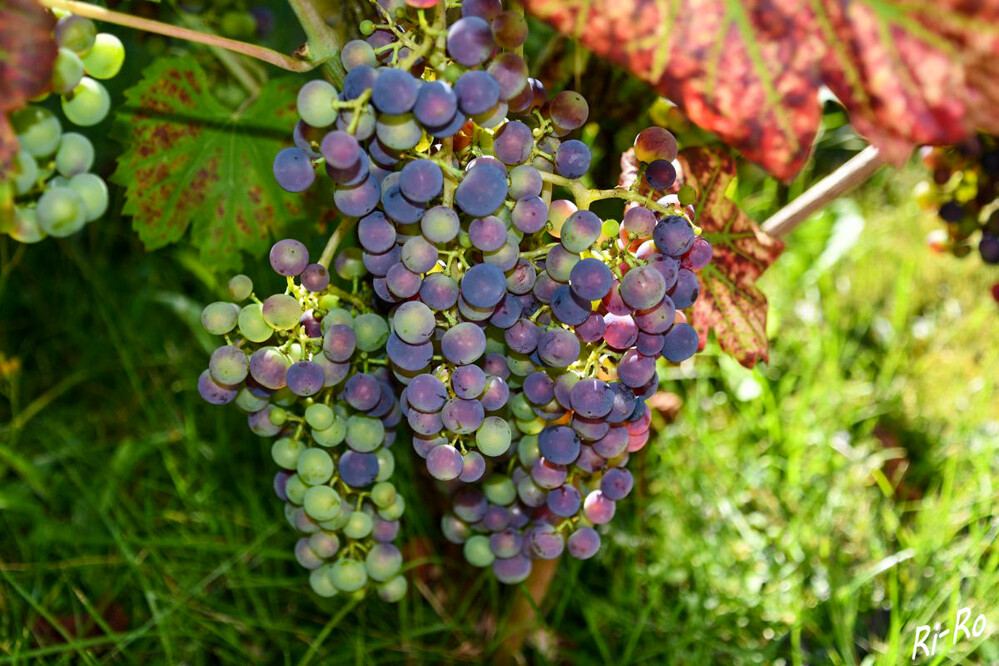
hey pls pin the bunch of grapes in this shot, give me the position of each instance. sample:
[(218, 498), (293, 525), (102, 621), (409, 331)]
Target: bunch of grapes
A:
[(965, 193), (55, 193), (308, 366), (523, 330)]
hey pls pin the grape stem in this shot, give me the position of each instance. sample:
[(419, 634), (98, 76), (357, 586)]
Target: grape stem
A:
[(270, 56), (540, 252), (585, 196), (322, 46)]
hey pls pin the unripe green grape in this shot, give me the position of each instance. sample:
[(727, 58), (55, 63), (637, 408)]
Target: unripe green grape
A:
[(493, 436), (336, 316), (94, 192), (395, 510), (219, 318), (67, 71), (322, 503), (295, 489), (278, 416), (282, 312), (499, 489), (383, 494), (348, 575), (61, 212), (383, 562), (75, 33), (248, 402), (252, 325), (105, 59), (38, 130), (238, 25), (88, 104), (75, 154), (315, 103), (386, 465), (358, 525), (341, 519), (332, 435), (315, 466), (532, 427), (240, 287), (319, 416), (687, 195), (372, 332), (26, 170), (26, 229), (285, 452), (528, 451), (477, 551), (324, 544), (610, 228), (321, 583), (364, 434), (393, 590), (348, 264), (284, 397)]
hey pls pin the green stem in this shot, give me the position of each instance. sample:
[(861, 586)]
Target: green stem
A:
[(345, 227), (322, 46)]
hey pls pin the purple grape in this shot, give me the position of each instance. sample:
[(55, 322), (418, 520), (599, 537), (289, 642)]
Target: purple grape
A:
[(487, 233), (583, 543), (293, 170), (591, 398), (481, 191), (472, 313), (382, 155), (673, 235), (379, 264), (470, 505), (572, 159), (699, 254), (686, 290), (421, 181), (616, 484), (560, 262), (394, 91), (635, 370), (463, 344), (260, 423), (530, 215), (477, 92), (468, 381), (512, 570), (544, 287), (521, 279), (506, 543), (362, 392), (289, 257), (558, 348), (681, 343), (564, 501), (658, 319), (384, 531), (668, 267), (375, 233), (439, 292), (613, 444), (358, 80), (425, 423), (649, 344), (436, 104), (598, 508), (660, 175), (448, 129), (510, 72), (592, 329), (426, 393), (483, 286), (484, 9), (589, 461), (470, 40), (315, 278), (402, 282), (624, 403), (269, 367), (339, 343), (513, 142), (643, 287), (559, 445), (639, 222), (495, 364), (358, 200), (396, 205), (496, 518), (496, 394), (306, 378), (462, 416), (214, 392), (591, 279), (568, 110), (590, 429), (504, 258), (411, 358), (358, 470), (545, 542), (507, 313), (340, 149), (580, 231), (473, 467), (569, 308), (523, 336), (563, 388), (444, 462), (525, 182)]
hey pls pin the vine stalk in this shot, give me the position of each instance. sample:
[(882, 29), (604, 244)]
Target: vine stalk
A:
[(345, 227)]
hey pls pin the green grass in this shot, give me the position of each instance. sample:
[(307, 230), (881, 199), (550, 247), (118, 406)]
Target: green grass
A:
[(815, 510)]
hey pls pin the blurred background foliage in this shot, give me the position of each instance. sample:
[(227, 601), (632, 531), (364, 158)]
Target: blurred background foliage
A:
[(814, 510)]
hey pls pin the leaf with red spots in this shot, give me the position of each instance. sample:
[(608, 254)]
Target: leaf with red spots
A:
[(27, 51), (730, 303), (192, 163), (909, 73)]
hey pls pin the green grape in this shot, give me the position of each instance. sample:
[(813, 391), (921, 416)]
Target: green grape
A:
[(75, 154), (358, 525), (324, 544), (687, 195), (315, 103), (238, 25), (364, 434), (493, 436), (38, 130), (341, 519), (383, 494), (76, 33), (315, 466), (386, 464), (384, 561), (499, 489), (61, 212), (321, 582), (319, 416), (285, 452), (248, 402), (322, 503), (88, 104), (282, 312), (252, 325), (477, 551), (94, 192), (610, 228), (26, 229), (295, 489), (105, 59), (367, 27), (337, 316), (372, 331), (395, 510), (348, 575), (26, 169), (67, 71), (394, 590), (219, 318), (527, 450), (332, 435), (240, 287), (278, 416)]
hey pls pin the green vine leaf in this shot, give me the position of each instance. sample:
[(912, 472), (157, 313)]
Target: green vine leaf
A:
[(192, 163)]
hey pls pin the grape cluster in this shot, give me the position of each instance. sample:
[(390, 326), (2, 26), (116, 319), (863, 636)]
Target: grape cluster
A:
[(524, 331), (964, 191), (308, 366), (55, 193)]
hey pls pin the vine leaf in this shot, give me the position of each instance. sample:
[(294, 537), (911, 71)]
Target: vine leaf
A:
[(730, 304), (27, 51), (192, 163), (909, 73)]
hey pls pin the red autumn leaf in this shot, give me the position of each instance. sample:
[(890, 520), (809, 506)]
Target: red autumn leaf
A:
[(730, 304), (750, 71), (27, 51)]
